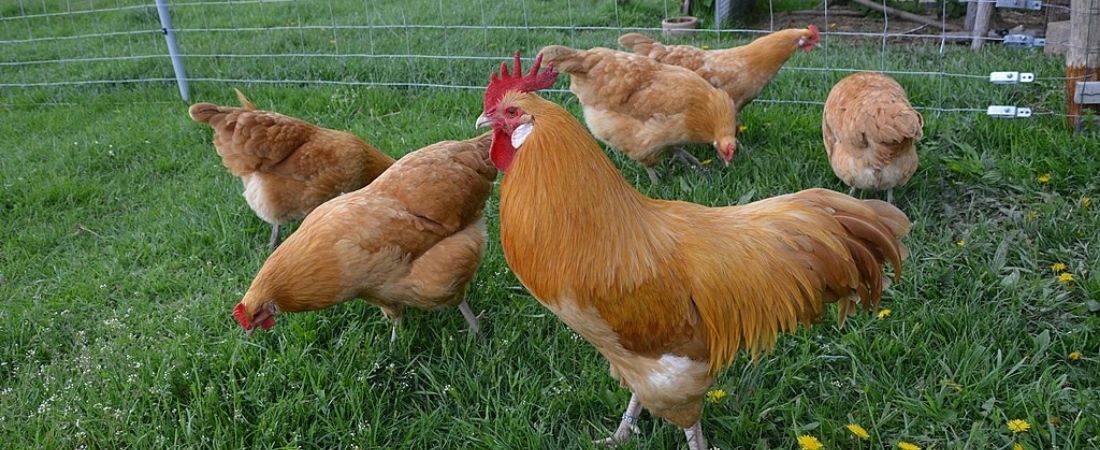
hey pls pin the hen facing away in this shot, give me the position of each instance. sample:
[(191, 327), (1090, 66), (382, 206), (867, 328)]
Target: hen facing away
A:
[(870, 132), (643, 107), (412, 238), (741, 72), (288, 166), (669, 292)]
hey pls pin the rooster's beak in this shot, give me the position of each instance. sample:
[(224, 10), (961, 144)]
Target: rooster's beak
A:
[(482, 122)]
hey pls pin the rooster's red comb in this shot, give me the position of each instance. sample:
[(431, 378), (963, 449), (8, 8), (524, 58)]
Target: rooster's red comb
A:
[(517, 81), (813, 31)]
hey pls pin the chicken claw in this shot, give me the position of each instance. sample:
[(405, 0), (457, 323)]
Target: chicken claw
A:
[(696, 439), (471, 319), (628, 427), (393, 332), (687, 158), (274, 242)]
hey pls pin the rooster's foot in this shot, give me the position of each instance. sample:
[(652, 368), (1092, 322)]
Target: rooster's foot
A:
[(274, 241), (628, 427), (687, 158)]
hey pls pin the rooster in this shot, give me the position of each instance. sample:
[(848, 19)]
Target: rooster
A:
[(669, 292), (643, 107), (288, 166), (414, 237), (870, 131), (742, 72)]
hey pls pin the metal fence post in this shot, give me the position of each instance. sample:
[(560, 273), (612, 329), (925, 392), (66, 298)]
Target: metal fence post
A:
[(173, 50)]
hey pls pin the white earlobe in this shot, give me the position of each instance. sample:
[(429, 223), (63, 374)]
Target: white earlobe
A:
[(520, 134)]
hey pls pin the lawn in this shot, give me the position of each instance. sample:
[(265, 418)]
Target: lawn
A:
[(124, 245)]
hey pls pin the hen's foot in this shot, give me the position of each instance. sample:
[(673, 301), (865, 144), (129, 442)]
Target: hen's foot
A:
[(687, 158), (474, 321)]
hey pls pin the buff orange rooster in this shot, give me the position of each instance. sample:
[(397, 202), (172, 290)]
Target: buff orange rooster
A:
[(670, 292), (288, 166), (742, 72)]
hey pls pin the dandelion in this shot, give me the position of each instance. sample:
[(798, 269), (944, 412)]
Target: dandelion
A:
[(960, 243), (707, 162), (1017, 446), (808, 442), (859, 431), (884, 313), (716, 395), (1018, 425), (908, 446), (742, 128), (1058, 267), (1043, 179), (1074, 356), (706, 47), (1065, 278), (1086, 202), (832, 25), (1031, 215)]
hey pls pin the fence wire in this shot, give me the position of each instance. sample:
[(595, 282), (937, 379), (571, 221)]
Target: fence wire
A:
[(452, 45)]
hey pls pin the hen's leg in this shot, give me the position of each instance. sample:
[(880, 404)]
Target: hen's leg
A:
[(852, 192), (687, 158), (274, 236), (890, 196), (628, 426), (471, 319), (695, 438), (393, 332), (652, 175)]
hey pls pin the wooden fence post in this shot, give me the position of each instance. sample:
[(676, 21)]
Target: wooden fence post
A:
[(1082, 53)]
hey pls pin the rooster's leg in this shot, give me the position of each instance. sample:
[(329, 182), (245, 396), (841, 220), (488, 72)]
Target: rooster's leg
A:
[(890, 196), (652, 175), (471, 319), (628, 426), (274, 236), (695, 438), (852, 192), (687, 158)]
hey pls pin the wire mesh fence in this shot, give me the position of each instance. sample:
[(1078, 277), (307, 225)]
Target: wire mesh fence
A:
[(439, 44)]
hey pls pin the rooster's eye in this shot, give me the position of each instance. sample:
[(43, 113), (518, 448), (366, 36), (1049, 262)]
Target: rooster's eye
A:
[(511, 111)]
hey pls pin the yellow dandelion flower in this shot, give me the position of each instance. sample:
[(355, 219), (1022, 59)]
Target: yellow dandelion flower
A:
[(1065, 278), (1043, 179), (808, 442), (1058, 267), (1031, 215), (742, 128), (960, 243), (1074, 356), (859, 431), (884, 313), (707, 162), (908, 446), (706, 47), (832, 25), (1018, 425), (716, 395), (1017, 446), (1086, 202)]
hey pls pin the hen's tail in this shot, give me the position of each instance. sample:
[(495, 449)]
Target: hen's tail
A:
[(244, 100), (564, 59), (209, 112), (637, 43)]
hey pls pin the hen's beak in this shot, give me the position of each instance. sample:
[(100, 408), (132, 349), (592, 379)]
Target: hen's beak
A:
[(482, 122)]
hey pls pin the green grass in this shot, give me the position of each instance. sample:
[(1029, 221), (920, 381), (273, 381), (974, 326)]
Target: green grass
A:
[(124, 245)]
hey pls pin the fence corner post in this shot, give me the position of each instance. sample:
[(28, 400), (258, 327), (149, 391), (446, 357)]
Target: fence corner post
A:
[(173, 50)]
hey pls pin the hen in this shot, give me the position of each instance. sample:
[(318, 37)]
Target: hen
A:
[(742, 72), (669, 292), (288, 166), (870, 130), (414, 237), (643, 107)]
